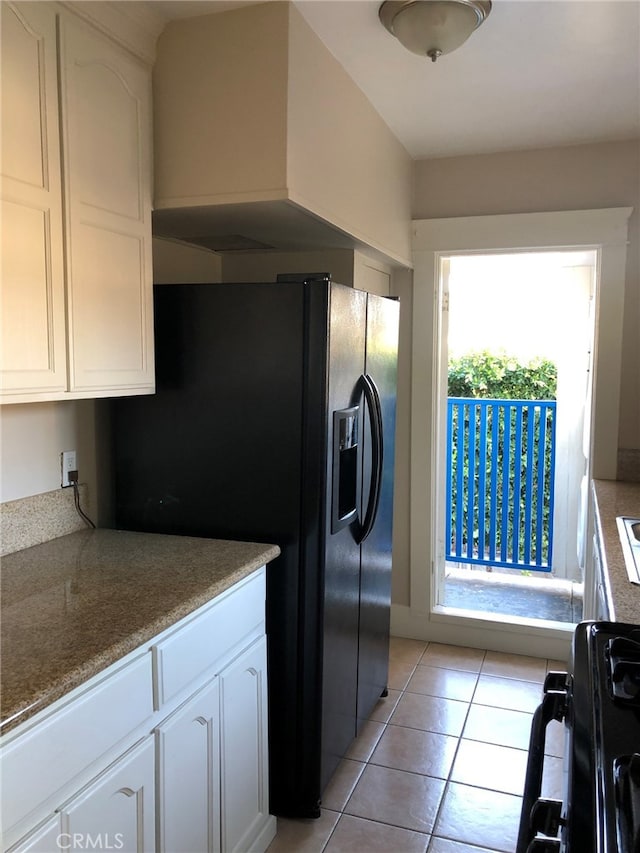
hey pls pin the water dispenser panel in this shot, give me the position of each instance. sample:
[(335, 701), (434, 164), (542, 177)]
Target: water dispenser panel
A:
[(345, 467)]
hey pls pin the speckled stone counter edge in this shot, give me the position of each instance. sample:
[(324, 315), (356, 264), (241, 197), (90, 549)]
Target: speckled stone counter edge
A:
[(614, 498)]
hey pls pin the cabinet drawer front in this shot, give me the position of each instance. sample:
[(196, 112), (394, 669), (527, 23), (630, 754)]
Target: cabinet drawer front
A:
[(42, 761), (209, 637)]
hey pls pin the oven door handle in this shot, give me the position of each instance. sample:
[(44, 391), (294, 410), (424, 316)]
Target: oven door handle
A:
[(552, 707)]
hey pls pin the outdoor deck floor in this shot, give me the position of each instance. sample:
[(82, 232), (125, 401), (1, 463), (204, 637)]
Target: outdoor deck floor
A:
[(531, 597)]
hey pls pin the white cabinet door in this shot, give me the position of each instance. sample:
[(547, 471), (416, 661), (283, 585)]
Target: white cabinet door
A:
[(106, 132), (32, 308), (117, 810), (46, 839), (189, 775), (245, 795)]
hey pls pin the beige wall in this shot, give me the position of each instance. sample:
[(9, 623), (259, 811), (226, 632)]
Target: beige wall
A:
[(177, 262), (33, 436), (343, 162), (265, 266), (569, 178), (402, 287)]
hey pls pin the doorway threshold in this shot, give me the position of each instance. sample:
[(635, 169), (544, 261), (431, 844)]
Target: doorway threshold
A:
[(529, 597)]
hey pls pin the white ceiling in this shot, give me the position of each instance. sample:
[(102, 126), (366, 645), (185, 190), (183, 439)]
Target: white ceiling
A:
[(537, 73)]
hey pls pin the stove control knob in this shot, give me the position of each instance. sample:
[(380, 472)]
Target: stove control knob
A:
[(544, 845)]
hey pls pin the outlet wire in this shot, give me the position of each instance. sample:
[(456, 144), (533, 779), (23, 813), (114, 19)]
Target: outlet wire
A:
[(76, 500)]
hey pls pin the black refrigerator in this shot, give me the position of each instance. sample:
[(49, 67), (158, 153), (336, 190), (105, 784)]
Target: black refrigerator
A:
[(274, 421)]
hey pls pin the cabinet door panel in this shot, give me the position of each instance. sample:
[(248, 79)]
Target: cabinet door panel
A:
[(119, 189), (105, 101), (108, 310), (118, 809), (26, 298), (24, 80), (188, 775), (46, 839), (243, 748), (32, 273)]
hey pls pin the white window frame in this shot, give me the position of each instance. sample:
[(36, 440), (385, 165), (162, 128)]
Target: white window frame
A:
[(604, 230)]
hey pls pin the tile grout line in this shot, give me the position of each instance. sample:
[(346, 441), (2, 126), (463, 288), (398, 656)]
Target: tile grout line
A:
[(447, 781), (455, 755), (366, 763)]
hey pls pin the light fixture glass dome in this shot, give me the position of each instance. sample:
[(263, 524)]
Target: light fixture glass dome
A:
[(433, 27)]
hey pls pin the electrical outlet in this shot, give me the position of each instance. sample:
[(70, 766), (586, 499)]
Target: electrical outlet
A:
[(67, 464)]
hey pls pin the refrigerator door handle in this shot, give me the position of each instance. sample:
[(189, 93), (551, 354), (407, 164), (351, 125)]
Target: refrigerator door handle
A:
[(374, 408)]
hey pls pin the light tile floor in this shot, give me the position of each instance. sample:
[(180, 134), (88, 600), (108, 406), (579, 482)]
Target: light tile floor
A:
[(440, 764)]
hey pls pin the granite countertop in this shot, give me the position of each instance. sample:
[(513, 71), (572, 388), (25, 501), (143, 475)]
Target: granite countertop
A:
[(76, 604), (614, 498)]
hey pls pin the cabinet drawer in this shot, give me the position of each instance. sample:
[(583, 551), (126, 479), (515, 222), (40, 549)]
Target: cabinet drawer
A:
[(209, 637), (39, 763)]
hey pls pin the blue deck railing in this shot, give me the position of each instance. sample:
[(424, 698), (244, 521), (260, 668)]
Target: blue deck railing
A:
[(500, 474)]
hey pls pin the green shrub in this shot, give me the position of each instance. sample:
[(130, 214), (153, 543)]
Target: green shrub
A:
[(501, 376)]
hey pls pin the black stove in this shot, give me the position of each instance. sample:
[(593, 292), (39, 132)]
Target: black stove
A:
[(627, 788), (599, 702)]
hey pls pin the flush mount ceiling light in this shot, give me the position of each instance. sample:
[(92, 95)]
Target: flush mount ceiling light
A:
[(433, 27)]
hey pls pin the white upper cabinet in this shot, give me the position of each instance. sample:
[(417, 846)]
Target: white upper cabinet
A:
[(105, 107), (32, 274), (77, 311)]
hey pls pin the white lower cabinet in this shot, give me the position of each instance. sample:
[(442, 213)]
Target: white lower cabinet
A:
[(117, 811), (184, 774), (243, 750), (189, 775), (212, 767), (46, 839)]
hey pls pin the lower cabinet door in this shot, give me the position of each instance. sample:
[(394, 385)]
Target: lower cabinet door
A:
[(46, 839), (189, 775), (245, 795), (117, 810)]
